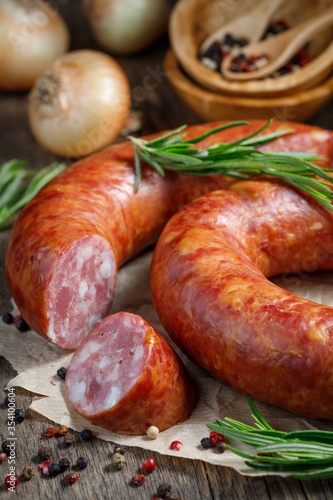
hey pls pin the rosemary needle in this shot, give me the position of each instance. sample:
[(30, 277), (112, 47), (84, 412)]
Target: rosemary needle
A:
[(240, 159), (14, 194), (306, 454)]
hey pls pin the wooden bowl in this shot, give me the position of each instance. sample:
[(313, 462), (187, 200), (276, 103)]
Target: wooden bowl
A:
[(215, 106), (192, 21)]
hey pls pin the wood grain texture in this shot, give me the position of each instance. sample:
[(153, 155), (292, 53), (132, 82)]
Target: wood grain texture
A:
[(193, 480)]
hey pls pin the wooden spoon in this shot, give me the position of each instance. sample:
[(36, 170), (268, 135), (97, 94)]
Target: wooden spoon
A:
[(251, 25), (279, 48)]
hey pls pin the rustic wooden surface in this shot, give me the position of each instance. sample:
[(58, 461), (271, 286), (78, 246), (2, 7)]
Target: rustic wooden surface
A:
[(193, 480)]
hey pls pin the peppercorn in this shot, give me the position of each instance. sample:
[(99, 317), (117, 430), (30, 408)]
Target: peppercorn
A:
[(44, 453), (152, 432), (138, 480), (71, 478), (215, 437), (19, 416), (165, 490), (51, 431), (6, 446), (9, 480), (149, 465), (62, 373), (176, 445), (3, 457), (68, 440), (86, 435), (119, 449), (45, 467), (28, 473), (21, 325), (7, 318), (221, 446), (118, 461), (82, 463), (205, 443), (64, 464), (62, 430), (54, 470)]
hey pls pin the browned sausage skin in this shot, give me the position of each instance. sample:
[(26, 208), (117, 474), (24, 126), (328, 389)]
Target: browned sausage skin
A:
[(67, 244), (125, 377), (211, 294)]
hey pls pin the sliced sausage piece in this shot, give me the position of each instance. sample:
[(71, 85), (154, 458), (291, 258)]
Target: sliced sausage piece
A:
[(125, 377), (67, 244), (210, 289)]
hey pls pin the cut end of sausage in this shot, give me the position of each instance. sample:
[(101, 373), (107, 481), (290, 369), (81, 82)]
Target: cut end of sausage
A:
[(80, 291), (125, 377)]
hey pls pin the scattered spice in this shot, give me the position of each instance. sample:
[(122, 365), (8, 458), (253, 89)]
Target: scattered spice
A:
[(19, 415), (52, 382), (11, 481), (64, 464), (152, 432), (45, 466), (28, 473), (68, 440), (215, 438), (62, 373), (51, 431), (247, 64), (3, 457), (62, 430), (221, 446), (54, 470), (149, 465), (118, 461), (86, 435), (5, 446), (119, 449), (138, 480), (166, 491), (7, 318), (219, 50), (82, 463), (206, 443), (44, 453), (176, 445), (71, 478), (21, 324)]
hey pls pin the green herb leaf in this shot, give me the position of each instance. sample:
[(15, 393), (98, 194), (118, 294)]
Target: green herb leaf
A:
[(14, 195), (239, 159)]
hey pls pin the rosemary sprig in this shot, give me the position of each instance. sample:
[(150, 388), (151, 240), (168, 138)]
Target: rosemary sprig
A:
[(14, 194), (306, 454), (239, 159)]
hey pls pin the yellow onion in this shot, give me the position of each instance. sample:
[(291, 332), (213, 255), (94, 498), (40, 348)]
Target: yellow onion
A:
[(32, 35), (127, 26), (79, 104)]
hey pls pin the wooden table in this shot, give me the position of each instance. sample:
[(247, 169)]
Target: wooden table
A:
[(193, 480)]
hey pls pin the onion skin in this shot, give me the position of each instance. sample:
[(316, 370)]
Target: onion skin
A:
[(80, 104), (32, 35), (127, 26)]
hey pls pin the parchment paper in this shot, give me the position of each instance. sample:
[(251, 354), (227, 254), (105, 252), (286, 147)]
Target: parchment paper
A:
[(37, 361)]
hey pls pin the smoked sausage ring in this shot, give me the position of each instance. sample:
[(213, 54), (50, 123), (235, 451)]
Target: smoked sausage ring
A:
[(68, 242), (210, 289)]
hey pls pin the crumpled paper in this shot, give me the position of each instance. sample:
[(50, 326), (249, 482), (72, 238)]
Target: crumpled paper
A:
[(37, 362)]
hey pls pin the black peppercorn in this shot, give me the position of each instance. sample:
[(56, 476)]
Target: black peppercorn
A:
[(68, 440), (82, 463), (64, 464), (44, 453), (119, 449), (62, 373), (86, 434), (54, 470), (164, 489), (5, 447), (205, 442), (19, 416), (22, 325), (7, 318)]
